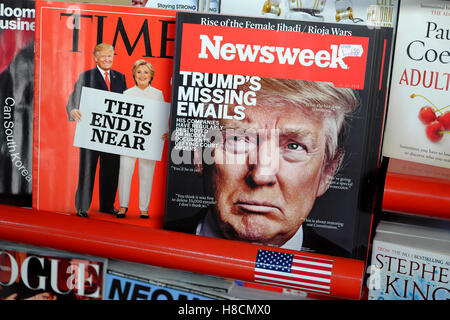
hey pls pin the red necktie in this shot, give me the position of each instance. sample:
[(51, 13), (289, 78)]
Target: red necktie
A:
[(108, 84)]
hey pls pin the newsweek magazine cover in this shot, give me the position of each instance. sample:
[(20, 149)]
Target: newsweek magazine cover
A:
[(35, 273), (372, 13), (249, 159), (16, 98), (89, 125), (418, 118)]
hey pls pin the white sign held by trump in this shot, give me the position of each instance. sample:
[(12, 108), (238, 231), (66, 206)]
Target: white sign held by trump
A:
[(121, 124)]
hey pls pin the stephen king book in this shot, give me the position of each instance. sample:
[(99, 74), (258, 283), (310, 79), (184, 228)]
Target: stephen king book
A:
[(246, 158), (410, 259), (118, 118)]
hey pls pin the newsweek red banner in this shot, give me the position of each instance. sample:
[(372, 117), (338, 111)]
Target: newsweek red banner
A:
[(279, 54)]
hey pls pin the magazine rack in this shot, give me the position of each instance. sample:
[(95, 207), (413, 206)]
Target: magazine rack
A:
[(217, 257), (415, 194)]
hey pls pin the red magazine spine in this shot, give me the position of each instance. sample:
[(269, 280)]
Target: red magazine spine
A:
[(417, 195), (36, 136), (163, 248)]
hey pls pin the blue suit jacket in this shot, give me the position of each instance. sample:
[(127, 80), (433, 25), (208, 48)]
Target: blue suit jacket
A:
[(312, 241), (93, 79)]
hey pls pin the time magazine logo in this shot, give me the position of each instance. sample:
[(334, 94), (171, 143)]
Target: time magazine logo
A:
[(277, 54)]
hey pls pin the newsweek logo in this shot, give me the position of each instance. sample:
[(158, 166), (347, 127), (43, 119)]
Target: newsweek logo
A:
[(277, 54), (270, 54)]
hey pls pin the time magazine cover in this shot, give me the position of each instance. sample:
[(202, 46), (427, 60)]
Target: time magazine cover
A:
[(101, 138), (33, 273), (16, 98), (418, 118), (275, 131)]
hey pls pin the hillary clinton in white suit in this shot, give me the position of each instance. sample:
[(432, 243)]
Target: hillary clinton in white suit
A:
[(143, 73)]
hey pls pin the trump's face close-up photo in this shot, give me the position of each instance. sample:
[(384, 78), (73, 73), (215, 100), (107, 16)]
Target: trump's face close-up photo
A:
[(267, 173)]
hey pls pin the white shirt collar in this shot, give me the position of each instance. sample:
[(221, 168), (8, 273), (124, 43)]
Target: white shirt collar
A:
[(207, 227), (103, 71)]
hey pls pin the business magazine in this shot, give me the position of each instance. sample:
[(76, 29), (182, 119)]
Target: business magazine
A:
[(35, 273), (418, 118), (100, 139), (249, 159), (16, 98)]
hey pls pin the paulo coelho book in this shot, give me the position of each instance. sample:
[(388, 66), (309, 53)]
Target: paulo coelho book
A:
[(61, 57), (418, 116), (226, 70)]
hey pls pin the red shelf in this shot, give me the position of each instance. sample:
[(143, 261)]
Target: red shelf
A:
[(417, 195), (218, 257)]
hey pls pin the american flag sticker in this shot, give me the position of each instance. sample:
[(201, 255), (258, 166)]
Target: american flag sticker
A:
[(293, 271)]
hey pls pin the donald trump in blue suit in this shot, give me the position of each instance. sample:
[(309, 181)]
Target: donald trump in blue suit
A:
[(104, 78)]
